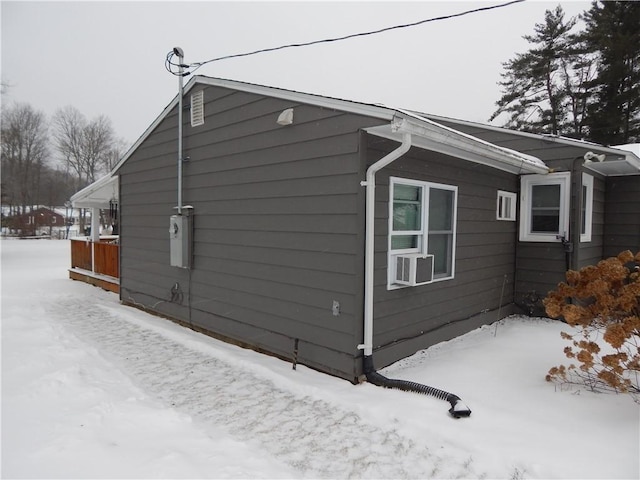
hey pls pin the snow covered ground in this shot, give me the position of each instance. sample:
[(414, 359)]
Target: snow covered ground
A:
[(93, 389)]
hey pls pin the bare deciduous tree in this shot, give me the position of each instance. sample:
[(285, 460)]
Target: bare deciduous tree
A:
[(85, 145), (24, 152), (115, 154)]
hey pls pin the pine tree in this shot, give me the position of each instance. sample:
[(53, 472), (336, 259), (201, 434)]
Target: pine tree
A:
[(540, 93), (613, 34)]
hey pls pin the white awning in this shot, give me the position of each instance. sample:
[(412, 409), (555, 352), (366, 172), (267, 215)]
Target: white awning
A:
[(98, 194)]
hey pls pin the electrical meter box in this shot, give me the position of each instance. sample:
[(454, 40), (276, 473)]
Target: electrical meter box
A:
[(180, 241)]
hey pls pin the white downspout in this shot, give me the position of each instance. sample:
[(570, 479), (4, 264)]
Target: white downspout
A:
[(369, 251)]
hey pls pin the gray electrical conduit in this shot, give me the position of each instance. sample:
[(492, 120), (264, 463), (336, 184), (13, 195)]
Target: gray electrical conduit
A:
[(458, 409)]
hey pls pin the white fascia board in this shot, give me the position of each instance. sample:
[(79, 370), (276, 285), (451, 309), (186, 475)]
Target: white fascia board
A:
[(433, 136)]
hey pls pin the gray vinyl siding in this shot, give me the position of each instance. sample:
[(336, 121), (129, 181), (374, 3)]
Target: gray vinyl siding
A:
[(622, 230), (408, 319), (277, 223), (616, 215), (541, 266), (539, 269)]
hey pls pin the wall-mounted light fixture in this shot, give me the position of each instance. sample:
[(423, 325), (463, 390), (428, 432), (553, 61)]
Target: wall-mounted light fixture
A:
[(286, 117), (590, 157)]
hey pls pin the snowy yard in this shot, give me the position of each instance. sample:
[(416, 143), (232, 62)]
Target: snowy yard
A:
[(94, 389)]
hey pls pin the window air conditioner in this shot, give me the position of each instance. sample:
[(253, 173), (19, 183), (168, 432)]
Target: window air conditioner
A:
[(413, 269)]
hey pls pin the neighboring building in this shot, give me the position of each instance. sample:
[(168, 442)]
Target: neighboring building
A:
[(40, 221), (338, 229), (70, 226)]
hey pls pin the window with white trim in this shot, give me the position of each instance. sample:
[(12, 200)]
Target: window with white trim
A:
[(586, 215), (422, 220), (544, 207), (506, 207)]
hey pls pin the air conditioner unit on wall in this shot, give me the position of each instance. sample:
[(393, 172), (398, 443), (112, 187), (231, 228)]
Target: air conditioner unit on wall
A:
[(413, 269)]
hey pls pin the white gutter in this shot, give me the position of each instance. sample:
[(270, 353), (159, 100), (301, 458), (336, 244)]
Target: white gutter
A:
[(439, 138), (369, 251)]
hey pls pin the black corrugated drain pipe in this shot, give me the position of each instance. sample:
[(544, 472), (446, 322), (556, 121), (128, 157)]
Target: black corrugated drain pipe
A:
[(458, 408)]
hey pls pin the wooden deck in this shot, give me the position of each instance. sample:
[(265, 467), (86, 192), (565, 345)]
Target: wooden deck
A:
[(96, 263)]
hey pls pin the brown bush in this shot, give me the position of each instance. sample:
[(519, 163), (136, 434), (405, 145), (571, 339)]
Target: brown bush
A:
[(603, 303)]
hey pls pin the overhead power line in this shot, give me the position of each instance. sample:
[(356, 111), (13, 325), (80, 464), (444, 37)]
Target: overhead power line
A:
[(170, 64)]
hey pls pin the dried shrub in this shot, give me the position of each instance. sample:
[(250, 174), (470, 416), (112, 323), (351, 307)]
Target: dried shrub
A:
[(603, 303)]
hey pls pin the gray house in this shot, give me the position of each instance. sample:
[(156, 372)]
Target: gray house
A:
[(330, 231)]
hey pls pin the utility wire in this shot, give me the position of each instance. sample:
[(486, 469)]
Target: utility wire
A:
[(169, 62)]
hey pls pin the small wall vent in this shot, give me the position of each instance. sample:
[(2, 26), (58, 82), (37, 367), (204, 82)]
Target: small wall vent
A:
[(197, 109)]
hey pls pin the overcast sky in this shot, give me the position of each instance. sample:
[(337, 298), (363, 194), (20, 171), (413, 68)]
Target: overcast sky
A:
[(108, 57)]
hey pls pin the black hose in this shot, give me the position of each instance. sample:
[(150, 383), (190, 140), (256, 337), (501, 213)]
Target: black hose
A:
[(457, 410)]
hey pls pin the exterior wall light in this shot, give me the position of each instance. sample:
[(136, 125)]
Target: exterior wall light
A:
[(286, 117)]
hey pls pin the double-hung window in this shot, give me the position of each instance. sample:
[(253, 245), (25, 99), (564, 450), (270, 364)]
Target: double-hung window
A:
[(544, 207), (422, 222)]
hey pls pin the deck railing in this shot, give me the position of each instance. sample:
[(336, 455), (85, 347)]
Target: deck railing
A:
[(81, 254), (95, 260)]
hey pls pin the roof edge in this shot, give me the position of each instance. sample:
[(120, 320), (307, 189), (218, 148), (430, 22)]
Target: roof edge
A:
[(432, 136), (627, 155), (377, 111), (384, 113), (614, 150), (508, 155)]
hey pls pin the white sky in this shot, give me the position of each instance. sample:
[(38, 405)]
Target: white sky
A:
[(108, 57)]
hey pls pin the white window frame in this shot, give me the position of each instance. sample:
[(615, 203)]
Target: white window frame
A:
[(506, 206), (527, 182), (423, 233), (587, 208)]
